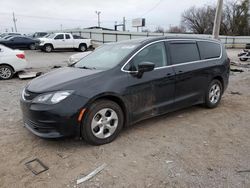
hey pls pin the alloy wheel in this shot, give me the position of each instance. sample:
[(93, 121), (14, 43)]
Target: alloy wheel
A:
[(214, 93), (5, 73)]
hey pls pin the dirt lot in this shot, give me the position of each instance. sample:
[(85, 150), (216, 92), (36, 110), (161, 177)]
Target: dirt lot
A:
[(194, 147)]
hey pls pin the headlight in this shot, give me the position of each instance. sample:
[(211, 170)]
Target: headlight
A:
[(52, 98)]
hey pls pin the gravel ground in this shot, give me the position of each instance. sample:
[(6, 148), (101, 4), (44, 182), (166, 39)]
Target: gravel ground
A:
[(194, 147)]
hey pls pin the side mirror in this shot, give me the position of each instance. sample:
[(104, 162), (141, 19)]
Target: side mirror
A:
[(145, 67)]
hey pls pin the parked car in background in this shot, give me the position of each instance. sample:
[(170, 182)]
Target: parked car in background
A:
[(20, 42), (39, 35), (6, 34), (121, 83), (244, 55), (76, 57), (6, 37), (11, 61), (59, 41)]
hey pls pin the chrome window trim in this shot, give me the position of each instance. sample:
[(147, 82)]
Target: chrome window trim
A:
[(186, 63)]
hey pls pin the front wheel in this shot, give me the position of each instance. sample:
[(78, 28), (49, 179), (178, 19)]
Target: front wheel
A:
[(102, 123), (213, 94), (48, 48)]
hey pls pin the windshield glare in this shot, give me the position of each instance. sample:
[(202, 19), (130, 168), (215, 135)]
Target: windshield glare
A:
[(106, 56)]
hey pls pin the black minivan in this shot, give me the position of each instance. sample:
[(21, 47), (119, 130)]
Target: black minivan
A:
[(122, 83)]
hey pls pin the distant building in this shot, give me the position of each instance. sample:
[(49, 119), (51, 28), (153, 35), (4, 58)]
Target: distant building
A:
[(99, 28)]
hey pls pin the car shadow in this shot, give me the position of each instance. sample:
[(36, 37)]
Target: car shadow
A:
[(79, 143)]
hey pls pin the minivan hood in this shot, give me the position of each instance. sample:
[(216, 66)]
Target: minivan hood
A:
[(55, 79)]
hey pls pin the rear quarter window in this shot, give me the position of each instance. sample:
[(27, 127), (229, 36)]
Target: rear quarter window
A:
[(184, 52), (209, 50)]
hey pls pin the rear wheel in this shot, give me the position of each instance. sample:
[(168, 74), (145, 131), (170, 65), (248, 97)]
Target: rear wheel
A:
[(102, 123), (82, 47), (32, 46), (213, 94), (6, 72)]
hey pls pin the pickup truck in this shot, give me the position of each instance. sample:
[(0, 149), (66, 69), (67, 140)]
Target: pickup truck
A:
[(58, 41)]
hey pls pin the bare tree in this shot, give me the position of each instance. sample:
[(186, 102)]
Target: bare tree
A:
[(146, 30), (234, 19), (199, 20), (159, 29), (177, 29)]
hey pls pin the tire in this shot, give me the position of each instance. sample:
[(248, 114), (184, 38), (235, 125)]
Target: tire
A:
[(102, 123), (213, 94), (82, 47), (6, 72), (243, 59), (48, 48), (32, 46)]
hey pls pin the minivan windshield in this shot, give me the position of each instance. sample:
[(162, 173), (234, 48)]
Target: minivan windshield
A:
[(106, 56)]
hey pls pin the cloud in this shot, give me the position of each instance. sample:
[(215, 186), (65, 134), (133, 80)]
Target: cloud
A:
[(45, 15)]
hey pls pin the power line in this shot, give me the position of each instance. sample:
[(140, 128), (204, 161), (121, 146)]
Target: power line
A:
[(156, 5), (148, 11), (54, 18)]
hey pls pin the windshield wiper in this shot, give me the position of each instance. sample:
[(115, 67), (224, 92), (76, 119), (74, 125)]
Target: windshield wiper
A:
[(85, 67)]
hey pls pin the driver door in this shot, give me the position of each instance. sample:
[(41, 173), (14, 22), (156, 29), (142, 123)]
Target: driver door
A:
[(59, 41), (153, 93)]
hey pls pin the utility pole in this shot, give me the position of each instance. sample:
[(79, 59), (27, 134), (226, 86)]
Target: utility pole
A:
[(14, 20), (217, 19), (61, 27), (98, 15), (124, 24)]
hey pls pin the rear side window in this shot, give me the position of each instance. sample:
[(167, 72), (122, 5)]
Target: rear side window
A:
[(184, 52), (67, 36), (209, 50)]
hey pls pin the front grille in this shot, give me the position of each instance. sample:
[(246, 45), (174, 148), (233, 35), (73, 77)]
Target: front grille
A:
[(27, 95), (42, 128)]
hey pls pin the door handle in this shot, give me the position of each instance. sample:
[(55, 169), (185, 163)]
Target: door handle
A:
[(180, 71)]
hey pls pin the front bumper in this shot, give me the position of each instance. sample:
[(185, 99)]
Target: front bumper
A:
[(39, 46), (53, 121)]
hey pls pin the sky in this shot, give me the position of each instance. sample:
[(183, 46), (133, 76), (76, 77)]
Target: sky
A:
[(44, 15)]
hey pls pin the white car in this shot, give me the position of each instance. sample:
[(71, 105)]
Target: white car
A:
[(58, 41), (11, 61), (76, 57)]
